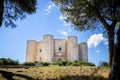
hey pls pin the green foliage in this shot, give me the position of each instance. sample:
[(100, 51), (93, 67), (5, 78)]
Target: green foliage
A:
[(74, 63), (55, 63), (86, 14), (28, 64), (12, 10), (60, 63), (69, 63), (8, 61), (45, 63), (104, 64), (82, 63)]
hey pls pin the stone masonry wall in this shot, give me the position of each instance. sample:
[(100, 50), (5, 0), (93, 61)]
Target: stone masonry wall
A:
[(72, 48), (83, 51), (31, 51), (39, 51), (60, 49), (48, 48)]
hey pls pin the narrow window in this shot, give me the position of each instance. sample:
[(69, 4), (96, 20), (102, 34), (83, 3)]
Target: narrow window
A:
[(60, 49), (40, 50)]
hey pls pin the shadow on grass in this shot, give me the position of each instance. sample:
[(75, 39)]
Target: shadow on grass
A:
[(9, 75), (82, 77)]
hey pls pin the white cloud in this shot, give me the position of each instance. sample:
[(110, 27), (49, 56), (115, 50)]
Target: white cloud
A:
[(97, 51), (49, 8), (95, 40), (63, 32), (61, 17)]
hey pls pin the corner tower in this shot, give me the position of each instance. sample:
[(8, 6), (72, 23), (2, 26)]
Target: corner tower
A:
[(83, 51), (48, 48), (31, 51), (72, 48)]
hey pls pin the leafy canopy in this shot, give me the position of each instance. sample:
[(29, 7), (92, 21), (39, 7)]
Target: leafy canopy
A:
[(87, 14), (12, 10)]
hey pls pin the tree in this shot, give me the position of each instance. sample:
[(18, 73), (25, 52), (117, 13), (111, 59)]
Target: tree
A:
[(12, 10), (115, 69), (88, 14)]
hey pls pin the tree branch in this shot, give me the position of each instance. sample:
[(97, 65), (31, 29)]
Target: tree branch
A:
[(102, 20), (1, 11)]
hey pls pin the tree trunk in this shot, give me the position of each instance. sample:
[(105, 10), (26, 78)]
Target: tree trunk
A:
[(111, 44), (1, 11), (115, 68)]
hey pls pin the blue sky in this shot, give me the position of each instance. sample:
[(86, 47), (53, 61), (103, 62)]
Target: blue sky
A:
[(48, 20)]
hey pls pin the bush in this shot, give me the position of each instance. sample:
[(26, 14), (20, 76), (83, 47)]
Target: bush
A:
[(63, 62), (69, 63), (82, 63), (104, 64), (8, 61), (60, 63), (28, 64), (55, 63), (75, 63), (45, 63), (91, 64)]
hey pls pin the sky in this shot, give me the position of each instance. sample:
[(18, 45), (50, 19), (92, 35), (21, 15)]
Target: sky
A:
[(48, 20)]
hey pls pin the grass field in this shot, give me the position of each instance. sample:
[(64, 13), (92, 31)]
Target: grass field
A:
[(55, 73)]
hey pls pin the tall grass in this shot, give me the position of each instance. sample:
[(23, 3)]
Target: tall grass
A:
[(58, 73)]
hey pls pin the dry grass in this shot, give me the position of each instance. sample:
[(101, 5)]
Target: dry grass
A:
[(55, 73)]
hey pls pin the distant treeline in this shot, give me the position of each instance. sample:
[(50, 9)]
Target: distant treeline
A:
[(8, 61)]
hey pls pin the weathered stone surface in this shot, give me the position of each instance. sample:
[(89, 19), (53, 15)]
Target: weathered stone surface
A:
[(31, 51), (50, 49), (72, 48)]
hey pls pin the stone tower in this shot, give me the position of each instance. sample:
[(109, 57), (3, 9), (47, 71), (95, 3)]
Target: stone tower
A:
[(72, 48), (50, 49), (31, 51), (83, 52)]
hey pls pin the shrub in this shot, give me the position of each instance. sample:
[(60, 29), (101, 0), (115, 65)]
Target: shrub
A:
[(82, 63), (69, 63), (8, 61), (104, 64), (55, 63), (63, 62), (1, 62), (75, 63), (91, 64), (45, 63), (28, 64), (60, 63)]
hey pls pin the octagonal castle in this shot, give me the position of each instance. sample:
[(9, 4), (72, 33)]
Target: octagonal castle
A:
[(50, 49)]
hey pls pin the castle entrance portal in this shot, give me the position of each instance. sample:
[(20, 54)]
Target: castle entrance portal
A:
[(59, 56), (59, 59)]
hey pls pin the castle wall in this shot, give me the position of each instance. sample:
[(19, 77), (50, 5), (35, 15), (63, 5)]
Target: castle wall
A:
[(83, 51), (48, 48), (31, 51), (60, 49), (72, 48), (39, 51), (51, 49)]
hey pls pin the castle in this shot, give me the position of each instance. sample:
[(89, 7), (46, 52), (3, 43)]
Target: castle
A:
[(51, 49)]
